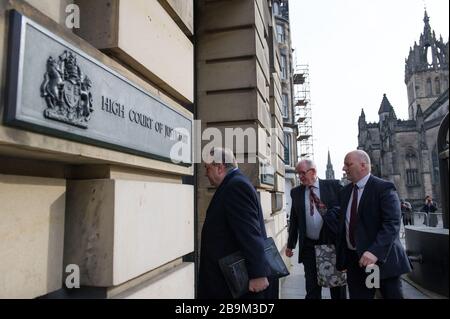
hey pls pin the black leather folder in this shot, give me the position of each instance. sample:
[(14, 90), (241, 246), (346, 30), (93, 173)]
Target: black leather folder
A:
[(235, 271)]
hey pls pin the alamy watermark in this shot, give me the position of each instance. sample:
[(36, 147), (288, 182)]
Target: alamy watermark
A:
[(73, 16), (73, 277), (373, 277), (246, 143)]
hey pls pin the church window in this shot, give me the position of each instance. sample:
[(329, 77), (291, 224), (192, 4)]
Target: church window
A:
[(412, 171), (412, 177), (437, 84), (429, 87), (417, 90), (435, 163)]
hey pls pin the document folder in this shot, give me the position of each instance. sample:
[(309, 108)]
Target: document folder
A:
[(235, 271)]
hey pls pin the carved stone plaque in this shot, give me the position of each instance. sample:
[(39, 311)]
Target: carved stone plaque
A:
[(57, 89)]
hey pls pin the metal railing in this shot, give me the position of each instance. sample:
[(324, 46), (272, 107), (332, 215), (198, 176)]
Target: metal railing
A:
[(434, 220), (427, 219)]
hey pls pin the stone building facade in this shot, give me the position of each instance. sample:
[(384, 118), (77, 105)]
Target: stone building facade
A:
[(77, 189), (290, 127), (239, 86), (405, 151)]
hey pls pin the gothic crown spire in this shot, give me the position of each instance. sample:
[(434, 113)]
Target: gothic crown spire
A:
[(429, 54)]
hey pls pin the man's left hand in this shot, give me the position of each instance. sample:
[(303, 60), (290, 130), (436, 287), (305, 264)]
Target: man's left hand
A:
[(322, 209), (367, 259)]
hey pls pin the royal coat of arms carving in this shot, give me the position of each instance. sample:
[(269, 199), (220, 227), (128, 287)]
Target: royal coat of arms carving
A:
[(67, 91)]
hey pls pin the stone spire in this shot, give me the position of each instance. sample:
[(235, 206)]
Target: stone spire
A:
[(362, 120), (429, 54), (330, 172), (385, 106)]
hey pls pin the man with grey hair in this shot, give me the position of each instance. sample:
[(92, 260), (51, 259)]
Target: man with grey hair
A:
[(369, 226), (310, 201), (234, 222)]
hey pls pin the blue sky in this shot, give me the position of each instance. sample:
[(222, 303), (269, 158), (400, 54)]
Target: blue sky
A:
[(356, 51)]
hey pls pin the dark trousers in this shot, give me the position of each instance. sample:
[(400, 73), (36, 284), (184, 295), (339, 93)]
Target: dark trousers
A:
[(407, 218), (390, 288), (313, 290), (432, 220)]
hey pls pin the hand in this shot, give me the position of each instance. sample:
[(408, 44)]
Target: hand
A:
[(258, 284), (322, 209), (289, 252), (367, 259)]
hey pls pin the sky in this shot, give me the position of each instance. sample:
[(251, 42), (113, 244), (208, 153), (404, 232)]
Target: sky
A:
[(356, 51)]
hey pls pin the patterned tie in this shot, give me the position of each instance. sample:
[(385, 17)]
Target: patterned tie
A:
[(353, 216), (313, 200)]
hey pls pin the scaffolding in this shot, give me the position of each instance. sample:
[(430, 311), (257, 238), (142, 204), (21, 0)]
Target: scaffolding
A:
[(303, 112)]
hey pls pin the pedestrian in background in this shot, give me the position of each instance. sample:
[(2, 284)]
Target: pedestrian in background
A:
[(407, 215), (430, 207)]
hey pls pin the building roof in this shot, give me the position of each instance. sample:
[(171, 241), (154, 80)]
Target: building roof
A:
[(436, 104), (386, 106)]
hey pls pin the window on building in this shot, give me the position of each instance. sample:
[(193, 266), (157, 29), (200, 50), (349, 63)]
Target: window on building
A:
[(280, 33), (412, 171), (276, 8), (445, 84), (435, 163), (429, 87), (417, 91), (287, 148), (437, 84), (412, 177), (283, 67), (285, 102)]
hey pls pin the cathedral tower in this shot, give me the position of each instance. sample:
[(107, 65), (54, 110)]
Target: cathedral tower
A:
[(330, 172), (426, 70)]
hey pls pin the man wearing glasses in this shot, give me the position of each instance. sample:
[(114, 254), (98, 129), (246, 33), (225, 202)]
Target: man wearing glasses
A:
[(309, 201)]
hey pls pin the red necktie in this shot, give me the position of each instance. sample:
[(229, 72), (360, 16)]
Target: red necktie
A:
[(353, 216), (313, 200)]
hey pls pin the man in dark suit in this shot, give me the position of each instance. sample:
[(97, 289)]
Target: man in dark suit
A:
[(307, 226), (234, 222), (369, 232)]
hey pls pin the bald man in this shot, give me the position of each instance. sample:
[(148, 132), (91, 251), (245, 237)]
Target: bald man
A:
[(369, 225)]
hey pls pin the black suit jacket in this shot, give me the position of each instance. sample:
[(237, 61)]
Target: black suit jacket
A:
[(329, 195), (377, 228), (234, 222)]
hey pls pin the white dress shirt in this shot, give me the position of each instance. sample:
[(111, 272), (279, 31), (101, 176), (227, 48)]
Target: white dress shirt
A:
[(361, 184), (313, 223)]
